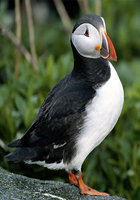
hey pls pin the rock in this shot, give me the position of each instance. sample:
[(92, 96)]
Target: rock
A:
[(17, 187)]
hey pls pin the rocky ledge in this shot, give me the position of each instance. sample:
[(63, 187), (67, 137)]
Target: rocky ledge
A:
[(17, 187)]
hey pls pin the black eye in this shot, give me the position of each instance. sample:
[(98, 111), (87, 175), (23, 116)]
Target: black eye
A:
[(86, 33)]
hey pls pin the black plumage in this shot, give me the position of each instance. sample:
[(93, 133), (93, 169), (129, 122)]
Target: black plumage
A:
[(95, 20), (61, 115)]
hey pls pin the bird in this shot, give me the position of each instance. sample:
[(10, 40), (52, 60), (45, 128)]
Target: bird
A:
[(80, 111)]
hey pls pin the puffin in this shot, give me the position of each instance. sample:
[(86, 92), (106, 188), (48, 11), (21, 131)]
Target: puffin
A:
[(80, 111)]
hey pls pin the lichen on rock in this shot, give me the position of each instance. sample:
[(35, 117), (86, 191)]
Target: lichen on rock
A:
[(17, 187)]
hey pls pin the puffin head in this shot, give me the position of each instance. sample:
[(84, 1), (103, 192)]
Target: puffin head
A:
[(90, 39)]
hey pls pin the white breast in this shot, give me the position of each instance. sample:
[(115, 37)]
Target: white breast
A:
[(102, 114)]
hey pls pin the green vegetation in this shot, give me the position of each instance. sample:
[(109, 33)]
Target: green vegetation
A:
[(115, 165)]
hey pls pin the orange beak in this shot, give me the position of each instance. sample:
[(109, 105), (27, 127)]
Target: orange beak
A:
[(107, 51)]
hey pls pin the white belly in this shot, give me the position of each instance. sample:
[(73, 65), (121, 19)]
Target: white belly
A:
[(102, 114)]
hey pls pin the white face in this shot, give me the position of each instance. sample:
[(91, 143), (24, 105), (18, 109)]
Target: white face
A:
[(85, 39)]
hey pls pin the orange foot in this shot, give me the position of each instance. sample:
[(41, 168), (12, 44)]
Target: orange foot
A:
[(89, 191), (84, 189)]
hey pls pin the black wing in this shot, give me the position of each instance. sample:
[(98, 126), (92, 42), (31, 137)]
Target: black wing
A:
[(60, 115)]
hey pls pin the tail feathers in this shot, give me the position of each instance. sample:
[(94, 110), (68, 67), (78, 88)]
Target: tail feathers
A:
[(21, 155), (16, 143)]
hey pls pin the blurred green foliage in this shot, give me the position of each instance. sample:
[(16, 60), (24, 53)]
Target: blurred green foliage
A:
[(114, 166)]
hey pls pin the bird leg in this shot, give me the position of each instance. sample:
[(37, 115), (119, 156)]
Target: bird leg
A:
[(72, 179), (84, 189)]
